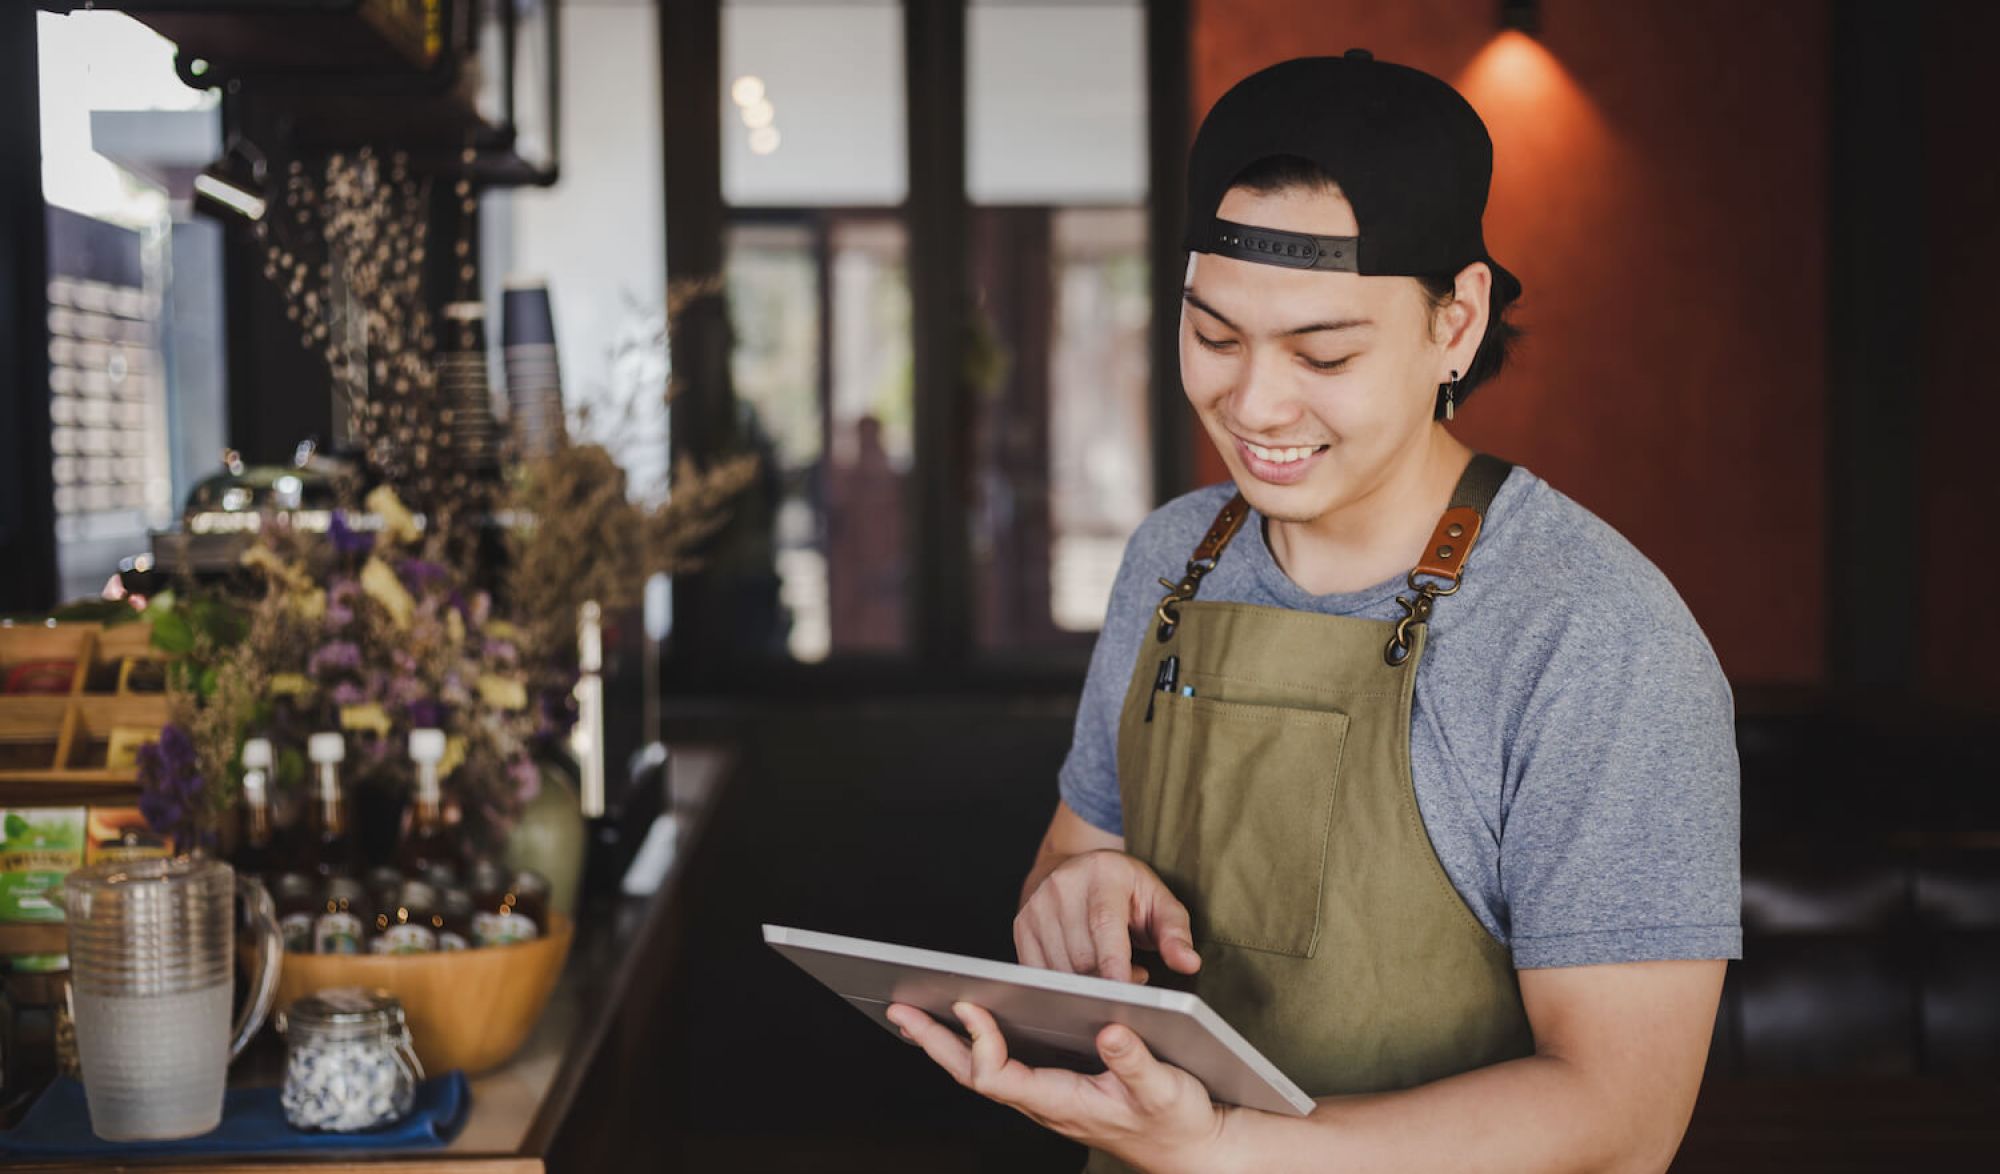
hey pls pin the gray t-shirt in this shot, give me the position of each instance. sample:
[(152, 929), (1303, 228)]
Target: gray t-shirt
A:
[(1572, 735)]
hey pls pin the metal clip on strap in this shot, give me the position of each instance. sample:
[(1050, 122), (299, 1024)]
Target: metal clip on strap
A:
[(1451, 543), (1224, 528)]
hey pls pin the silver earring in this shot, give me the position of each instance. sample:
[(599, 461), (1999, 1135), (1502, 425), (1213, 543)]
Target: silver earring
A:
[(1451, 395)]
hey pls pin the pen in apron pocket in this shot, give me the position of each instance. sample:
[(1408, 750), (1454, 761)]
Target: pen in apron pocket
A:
[(1163, 681)]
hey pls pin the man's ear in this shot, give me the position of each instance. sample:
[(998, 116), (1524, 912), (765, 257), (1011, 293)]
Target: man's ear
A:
[(1462, 321)]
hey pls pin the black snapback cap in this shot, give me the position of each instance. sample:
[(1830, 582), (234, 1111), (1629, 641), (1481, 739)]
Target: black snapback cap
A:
[(1409, 152)]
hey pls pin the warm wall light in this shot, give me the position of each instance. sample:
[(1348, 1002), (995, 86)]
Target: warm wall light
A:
[(1555, 158), (1523, 16), (747, 90), (764, 140), (759, 113), (1517, 73)]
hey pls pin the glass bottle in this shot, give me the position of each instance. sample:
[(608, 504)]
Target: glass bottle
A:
[(332, 843), (408, 928), (454, 921), (425, 847), (342, 924), (486, 882), (298, 904), (256, 854), (385, 884), (519, 914)]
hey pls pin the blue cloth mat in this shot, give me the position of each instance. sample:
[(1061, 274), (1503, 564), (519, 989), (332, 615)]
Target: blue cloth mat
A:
[(252, 1123)]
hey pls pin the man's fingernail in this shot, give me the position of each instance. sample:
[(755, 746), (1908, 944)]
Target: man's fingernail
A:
[(1119, 1042)]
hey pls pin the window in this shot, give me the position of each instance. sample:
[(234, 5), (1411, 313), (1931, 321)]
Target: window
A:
[(135, 289), (813, 168), (936, 504), (1056, 168)]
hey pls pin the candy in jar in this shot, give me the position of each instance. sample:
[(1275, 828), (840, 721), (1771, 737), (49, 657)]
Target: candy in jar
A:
[(349, 1065)]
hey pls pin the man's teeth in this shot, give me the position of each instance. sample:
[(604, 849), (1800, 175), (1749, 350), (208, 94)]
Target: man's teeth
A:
[(1281, 456)]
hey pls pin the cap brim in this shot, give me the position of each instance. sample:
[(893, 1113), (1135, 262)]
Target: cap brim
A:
[(1505, 285)]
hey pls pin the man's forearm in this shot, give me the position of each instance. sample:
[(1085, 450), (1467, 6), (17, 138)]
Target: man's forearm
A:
[(1539, 1114)]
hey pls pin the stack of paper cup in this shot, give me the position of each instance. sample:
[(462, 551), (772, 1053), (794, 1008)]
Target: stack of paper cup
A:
[(534, 383), (467, 394)]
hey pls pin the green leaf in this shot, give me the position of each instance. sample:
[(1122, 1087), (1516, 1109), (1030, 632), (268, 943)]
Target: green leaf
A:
[(17, 827), (218, 620), (172, 633)]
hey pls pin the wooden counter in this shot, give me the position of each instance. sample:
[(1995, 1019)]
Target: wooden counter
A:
[(537, 1103)]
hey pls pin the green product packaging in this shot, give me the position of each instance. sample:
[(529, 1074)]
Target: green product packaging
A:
[(39, 846)]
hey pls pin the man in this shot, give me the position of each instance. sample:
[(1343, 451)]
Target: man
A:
[(1423, 774)]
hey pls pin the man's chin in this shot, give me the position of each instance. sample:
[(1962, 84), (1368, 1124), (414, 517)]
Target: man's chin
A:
[(1279, 504)]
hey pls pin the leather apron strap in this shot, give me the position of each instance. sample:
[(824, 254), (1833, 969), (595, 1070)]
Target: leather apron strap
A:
[(1443, 561)]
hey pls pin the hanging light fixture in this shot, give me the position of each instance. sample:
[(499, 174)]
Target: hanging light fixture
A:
[(1522, 16)]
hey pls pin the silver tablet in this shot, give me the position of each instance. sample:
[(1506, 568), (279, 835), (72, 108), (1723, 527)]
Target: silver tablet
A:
[(1050, 1019)]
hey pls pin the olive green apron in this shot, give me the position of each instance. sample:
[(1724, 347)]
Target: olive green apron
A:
[(1264, 771)]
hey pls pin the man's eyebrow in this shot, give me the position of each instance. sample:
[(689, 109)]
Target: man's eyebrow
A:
[(1188, 295)]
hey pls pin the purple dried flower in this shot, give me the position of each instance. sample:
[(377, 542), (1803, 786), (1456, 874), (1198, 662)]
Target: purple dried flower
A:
[(163, 812), (527, 779), (175, 747), (340, 654), (170, 785), (348, 693), (417, 574), (347, 540), (405, 691), (426, 713)]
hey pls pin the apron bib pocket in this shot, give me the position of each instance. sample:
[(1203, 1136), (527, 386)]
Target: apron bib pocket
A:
[(1251, 846)]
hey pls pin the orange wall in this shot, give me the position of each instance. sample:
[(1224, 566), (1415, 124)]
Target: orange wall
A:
[(1659, 188)]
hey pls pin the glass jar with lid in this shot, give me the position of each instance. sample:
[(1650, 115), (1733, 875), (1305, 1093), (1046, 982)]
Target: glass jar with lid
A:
[(349, 1064)]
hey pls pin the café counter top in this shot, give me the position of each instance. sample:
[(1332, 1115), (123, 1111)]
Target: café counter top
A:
[(541, 1102)]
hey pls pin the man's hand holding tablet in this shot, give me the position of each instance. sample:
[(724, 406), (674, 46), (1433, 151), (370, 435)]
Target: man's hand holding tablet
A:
[(1150, 1115), (1086, 917)]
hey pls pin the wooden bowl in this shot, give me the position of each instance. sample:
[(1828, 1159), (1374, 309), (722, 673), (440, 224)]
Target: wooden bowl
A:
[(469, 1009)]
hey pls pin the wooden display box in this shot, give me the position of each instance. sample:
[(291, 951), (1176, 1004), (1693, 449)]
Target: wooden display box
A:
[(55, 746)]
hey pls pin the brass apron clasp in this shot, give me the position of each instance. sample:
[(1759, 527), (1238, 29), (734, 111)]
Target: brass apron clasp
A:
[(1169, 613), (1416, 611)]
